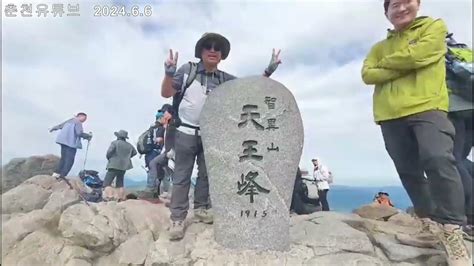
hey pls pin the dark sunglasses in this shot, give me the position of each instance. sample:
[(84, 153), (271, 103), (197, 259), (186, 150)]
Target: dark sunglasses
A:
[(210, 45)]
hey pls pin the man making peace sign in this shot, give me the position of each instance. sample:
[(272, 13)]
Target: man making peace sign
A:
[(189, 87)]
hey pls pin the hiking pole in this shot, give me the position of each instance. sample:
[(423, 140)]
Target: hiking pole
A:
[(85, 158), (76, 189)]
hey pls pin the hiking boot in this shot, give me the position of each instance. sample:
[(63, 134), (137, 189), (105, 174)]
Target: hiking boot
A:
[(203, 216), (57, 176), (468, 232), (451, 237), (176, 230), (425, 238)]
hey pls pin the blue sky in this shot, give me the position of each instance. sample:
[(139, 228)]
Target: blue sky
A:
[(112, 67)]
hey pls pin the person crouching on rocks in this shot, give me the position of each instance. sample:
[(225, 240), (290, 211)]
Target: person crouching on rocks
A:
[(119, 157)]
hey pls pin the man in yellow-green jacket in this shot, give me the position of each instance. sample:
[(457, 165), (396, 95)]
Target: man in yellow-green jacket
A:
[(410, 103)]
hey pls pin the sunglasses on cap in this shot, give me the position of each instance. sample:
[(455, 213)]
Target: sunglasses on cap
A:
[(210, 45)]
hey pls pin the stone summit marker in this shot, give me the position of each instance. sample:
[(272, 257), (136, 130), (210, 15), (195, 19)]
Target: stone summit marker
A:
[(252, 134)]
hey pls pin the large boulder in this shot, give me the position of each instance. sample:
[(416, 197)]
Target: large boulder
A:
[(19, 226), (19, 169), (42, 191), (371, 227), (328, 232), (61, 199), (376, 211), (75, 255), (24, 198), (144, 215), (45, 181), (397, 252), (134, 251), (101, 227), (37, 248)]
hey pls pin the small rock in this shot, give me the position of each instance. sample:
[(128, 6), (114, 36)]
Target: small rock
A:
[(376, 211), (404, 219)]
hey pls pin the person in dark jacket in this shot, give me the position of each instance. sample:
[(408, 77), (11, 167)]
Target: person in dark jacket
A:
[(157, 165), (155, 139), (119, 155), (300, 203), (69, 138), (156, 143)]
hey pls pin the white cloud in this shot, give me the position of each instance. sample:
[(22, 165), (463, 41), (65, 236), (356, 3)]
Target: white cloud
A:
[(112, 68)]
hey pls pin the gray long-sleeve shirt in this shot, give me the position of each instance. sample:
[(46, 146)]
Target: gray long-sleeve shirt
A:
[(71, 133)]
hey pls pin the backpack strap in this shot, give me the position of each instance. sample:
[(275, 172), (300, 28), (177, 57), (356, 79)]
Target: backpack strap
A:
[(189, 80), (179, 97), (221, 77), (191, 75), (149, 137)]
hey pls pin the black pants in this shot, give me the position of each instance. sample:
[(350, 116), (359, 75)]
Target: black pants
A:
[(462, 122), (423, 144), (67, 160), (150, 156), (114, 173), (323, 198)]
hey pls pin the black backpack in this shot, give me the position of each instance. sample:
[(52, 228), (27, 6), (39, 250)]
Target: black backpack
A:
[(178, 97), (145, 142)]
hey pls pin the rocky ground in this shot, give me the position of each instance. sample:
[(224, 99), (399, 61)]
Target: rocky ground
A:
[(44, 223)]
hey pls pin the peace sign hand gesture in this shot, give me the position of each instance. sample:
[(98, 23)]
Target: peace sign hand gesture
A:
[(171, 63), (274, 62)]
